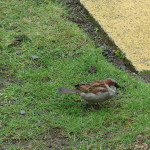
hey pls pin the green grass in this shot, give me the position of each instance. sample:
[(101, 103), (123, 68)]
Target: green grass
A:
[(65, 52)]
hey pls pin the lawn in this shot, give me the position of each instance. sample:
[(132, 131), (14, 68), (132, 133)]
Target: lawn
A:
[(40, 51)]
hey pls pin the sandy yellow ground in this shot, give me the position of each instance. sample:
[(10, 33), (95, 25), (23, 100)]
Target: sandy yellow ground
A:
[(127, 22)]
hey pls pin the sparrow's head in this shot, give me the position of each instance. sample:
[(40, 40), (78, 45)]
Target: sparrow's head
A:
[(111, 82)]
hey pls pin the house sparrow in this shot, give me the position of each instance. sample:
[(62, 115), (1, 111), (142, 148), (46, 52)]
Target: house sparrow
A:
[(95, 91)]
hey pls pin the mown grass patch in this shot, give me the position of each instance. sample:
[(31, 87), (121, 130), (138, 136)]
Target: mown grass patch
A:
[(64, 53)]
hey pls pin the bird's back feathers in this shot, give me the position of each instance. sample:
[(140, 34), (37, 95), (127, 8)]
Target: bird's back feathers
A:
[(92, 87)]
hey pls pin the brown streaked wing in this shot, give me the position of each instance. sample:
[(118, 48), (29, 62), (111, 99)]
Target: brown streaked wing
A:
[(93, 87), (83, 87), (97, 89)]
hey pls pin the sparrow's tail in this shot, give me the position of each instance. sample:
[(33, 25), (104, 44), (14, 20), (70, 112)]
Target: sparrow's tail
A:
[(67, 91)]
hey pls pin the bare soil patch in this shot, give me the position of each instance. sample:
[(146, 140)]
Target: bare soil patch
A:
[(50, 140), (18, 40)]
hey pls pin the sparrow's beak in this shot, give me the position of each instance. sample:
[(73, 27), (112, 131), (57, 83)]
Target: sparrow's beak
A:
[(117, 86)]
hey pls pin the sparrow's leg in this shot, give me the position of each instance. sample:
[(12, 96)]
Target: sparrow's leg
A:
[(96, 106), (91, 106), (86, 105)]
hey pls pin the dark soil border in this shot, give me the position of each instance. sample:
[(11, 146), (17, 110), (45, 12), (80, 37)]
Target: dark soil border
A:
[(79, 15)]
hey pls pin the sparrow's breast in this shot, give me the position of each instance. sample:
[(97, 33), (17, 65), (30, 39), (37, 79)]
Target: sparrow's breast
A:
[(95, 97), (112, 91)]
